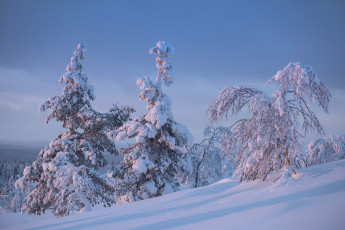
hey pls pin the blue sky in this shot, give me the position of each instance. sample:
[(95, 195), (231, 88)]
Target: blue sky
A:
[(217, 44)]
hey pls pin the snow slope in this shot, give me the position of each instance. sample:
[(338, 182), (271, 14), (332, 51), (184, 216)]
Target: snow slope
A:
[(314, 199)]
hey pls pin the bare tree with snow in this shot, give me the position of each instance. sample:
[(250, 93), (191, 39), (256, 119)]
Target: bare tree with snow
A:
[(270, 138), (210, 164), (64, 174), (151, 165)]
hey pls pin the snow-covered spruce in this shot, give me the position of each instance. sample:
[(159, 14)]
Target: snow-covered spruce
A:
[(64, 173), (151, 166), (75, 96), (210, 164), (270, 138), (326, 149)]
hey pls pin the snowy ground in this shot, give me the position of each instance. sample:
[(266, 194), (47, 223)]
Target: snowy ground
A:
[(315, 199)]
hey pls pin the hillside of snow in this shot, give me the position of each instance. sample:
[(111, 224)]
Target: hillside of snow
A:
[(314, 199)]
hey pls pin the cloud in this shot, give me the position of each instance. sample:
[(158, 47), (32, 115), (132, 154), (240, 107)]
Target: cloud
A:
[(20, 101), (21, 90)]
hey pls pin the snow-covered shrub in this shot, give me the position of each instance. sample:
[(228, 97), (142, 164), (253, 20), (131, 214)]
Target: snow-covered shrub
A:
[(151, 165), (210, 164), (326, 149), (270, 138), (64, 173)]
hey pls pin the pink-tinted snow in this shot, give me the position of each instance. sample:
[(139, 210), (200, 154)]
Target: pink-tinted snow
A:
[(314, 199)]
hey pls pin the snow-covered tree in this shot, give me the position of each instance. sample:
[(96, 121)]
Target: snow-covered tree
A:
[(11, 168), (150, 166), (6, 197), (326, 149), (64, 173), (210, 164), (270, 138), (75, 97), (12, 198), (96, 126)]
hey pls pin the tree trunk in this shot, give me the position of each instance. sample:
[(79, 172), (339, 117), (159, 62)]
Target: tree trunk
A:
[(287, 159), (197, 170)]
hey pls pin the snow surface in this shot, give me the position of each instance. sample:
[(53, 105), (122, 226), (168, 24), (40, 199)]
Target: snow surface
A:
[(313, 199)]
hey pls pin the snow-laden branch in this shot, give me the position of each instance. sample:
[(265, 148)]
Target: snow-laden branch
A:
[(231, 100)]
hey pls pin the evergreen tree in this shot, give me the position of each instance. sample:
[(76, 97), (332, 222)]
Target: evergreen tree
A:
[(64, 173), (151, 166)]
